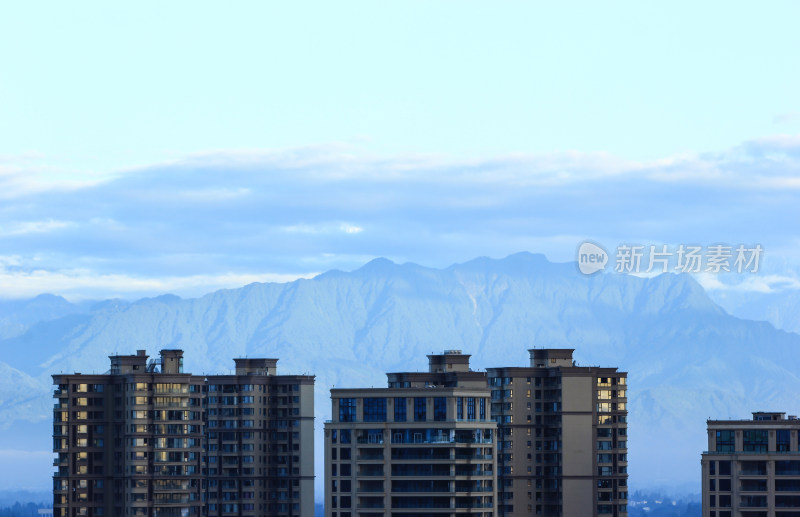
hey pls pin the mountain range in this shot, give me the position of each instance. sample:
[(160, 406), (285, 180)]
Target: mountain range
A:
[(687, 359)]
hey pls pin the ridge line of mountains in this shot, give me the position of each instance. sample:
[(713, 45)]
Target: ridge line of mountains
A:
[(687, 359)]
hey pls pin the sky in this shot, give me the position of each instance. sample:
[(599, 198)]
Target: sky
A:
[(190, 146)]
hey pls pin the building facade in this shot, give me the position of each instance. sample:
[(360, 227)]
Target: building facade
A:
[(147, 439), (424, 446), (562, 437), (752, 467)]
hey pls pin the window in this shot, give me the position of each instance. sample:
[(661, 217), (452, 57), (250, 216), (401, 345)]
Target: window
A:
[(483, 409), (400, 409), (725, 441), (440, 409), (782, 439), (470, 408), (420, 409), (753, 485), (787, 468), (347, 410), (374, 410), (460, 408), (755, 440)]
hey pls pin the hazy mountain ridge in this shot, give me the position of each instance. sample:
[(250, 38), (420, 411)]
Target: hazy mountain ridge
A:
[(780, 308), (687, 359), (17, 316)]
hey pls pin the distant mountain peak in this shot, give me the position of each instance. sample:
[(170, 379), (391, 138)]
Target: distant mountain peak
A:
[(377, 265)]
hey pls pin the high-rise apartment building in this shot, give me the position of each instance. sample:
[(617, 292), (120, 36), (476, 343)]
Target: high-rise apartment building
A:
[(752, 467), (147, 439), (260, 442), (424, 446), (562, 437)]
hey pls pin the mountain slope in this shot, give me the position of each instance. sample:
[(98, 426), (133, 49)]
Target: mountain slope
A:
[(687, 359)]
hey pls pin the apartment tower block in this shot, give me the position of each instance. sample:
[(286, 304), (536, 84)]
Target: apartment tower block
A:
[(752, 467), (562, 437), (424, 446), (147, 439)]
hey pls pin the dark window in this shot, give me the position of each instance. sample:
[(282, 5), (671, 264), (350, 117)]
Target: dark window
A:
[(460, 408), (787, 485), (724, 485), (753, 485), (755, 441), (725, 441), (399, 409), (712, 465), (420, 409), (440, 409), (753, 501), (787, 468), (483, 409), (782, 439), (374, 410), (347, 410), (757, 468), (470, 408), (724, 468), (344, 436)]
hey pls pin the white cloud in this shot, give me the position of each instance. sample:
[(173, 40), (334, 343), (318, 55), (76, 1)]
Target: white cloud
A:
[(26, 227), (214, 194), (325, 228), (749, 283), (350, 228), (182, 225)]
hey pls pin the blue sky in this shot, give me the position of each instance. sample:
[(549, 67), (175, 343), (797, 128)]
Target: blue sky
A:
[(187, 146)]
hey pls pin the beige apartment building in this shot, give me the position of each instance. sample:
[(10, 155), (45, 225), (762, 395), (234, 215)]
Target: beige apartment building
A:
[(424, 446), (562, 437), (147, 439), (752, 467), (560, 440)]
